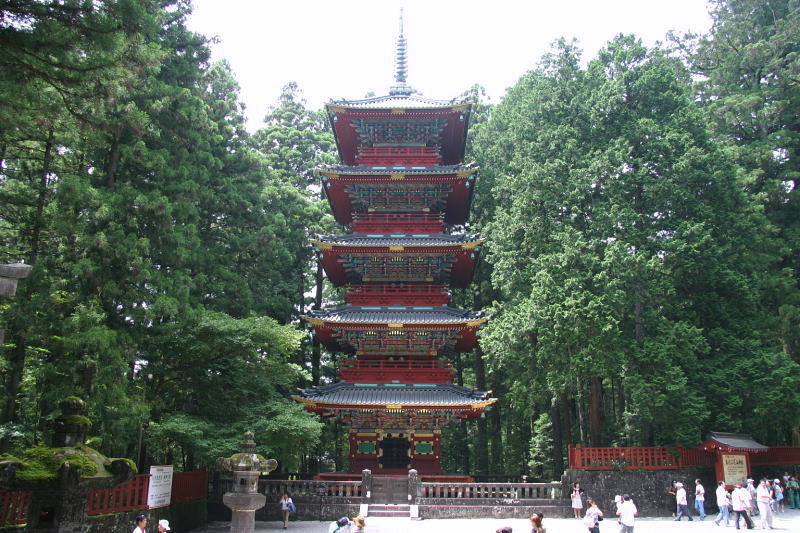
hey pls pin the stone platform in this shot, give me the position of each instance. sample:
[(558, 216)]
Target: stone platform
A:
[(788, 521)]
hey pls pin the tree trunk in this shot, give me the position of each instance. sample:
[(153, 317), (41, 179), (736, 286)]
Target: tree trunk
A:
[(595, 411), (316, 347), (482, 438), (566, 418), (113, 159), (558, 444), (580, 409), (496, 425)]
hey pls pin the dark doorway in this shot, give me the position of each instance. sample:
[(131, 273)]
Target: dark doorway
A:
[(395, 453)]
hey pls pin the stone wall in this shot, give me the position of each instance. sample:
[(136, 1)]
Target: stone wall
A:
[(446, 509), (648, 489), (318, 510)]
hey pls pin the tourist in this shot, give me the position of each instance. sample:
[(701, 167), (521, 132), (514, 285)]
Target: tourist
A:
[(672, 491), (536, 523), (141, 523), (340, 526), (626, 513), (577, 499), (699, 499), (723, 502), (752, 490), (163, 525), (778, 490), (763, 499), (359, 523), (793, 488), (740, 501), (593, 516), (682, 503), (287, 506)]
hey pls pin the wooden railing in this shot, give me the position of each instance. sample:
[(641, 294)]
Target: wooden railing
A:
[(777, 455), (398, 155), (381, 371), (641, 457), (14, 507), (129, 496), (189, 486), (492, 491), (398, 223), (132, 496)]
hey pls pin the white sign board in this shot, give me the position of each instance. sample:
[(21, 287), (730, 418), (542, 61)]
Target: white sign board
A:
[(159, 493), (734, 469)]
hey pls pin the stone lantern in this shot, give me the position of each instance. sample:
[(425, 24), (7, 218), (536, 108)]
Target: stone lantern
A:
[(245, 498)]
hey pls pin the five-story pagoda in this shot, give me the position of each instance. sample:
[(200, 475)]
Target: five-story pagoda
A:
[(401, 184)]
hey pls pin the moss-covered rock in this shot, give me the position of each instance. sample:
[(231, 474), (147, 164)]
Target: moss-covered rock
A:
[(44, 463)]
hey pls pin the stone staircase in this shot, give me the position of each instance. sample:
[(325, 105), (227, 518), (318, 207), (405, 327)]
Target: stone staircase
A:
[(389, 497)]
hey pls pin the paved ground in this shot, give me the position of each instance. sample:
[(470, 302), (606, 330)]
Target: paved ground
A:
[(788, 521)]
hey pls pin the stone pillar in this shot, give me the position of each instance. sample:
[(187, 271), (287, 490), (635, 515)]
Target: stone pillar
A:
[(366, 484), (245, 498), (414, 487)]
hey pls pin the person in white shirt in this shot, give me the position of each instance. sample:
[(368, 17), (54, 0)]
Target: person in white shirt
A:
[(740, 501), (141, 523), (680, 499), (627, 512), (763, 499), (699, 499), (751, 488), (723, 501)]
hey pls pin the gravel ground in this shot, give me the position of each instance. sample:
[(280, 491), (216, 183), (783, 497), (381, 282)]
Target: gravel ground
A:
[(788, 521)]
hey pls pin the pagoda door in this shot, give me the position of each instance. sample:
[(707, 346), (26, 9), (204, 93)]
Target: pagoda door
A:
[(395, 453)]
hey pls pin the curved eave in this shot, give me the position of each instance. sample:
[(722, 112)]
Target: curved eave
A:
[(393, 326), (344, 247), (453, 138), (325, 405)]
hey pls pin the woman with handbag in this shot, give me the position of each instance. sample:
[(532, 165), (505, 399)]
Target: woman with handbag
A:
[(593, 516), (287, 506)]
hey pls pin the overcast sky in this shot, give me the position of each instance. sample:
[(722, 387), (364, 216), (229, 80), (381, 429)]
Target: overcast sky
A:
[(345, 48)]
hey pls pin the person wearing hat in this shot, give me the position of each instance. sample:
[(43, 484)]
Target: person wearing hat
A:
[(751, 488), (777, 488), (163, 525), (359, 523), (740, 501), (683, 505), (340, 526), (141, 523), (764, 499)]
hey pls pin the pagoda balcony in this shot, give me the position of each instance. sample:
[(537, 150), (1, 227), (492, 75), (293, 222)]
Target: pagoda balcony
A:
[(408, 294), (382, 371), (409, 156), (408, 223)]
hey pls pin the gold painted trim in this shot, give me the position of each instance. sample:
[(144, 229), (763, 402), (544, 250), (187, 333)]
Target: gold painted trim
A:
[(328, 174), (396, 248), (424, 435), (460, 107), (398, 111), (466, 173), (394, 406), (474, 323), (481, 405), (322, 245), (395, 325), (336, 108), (473, 244), (313, 321), (366, 434), (397, 176)]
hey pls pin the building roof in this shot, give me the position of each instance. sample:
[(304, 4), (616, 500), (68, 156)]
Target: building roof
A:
[(383, 240), (383, 394), (395, 315), (411, 101), (736, 441), (377, 171)]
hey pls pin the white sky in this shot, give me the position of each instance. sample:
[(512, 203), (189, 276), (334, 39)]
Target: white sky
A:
[(345, 48)]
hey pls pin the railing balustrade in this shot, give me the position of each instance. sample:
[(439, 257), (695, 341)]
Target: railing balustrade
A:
[(129, 496), (14, 507), (491, 491), (299, 488)]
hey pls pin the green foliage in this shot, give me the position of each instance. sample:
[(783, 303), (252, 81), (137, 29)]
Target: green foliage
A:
[(43, 463)]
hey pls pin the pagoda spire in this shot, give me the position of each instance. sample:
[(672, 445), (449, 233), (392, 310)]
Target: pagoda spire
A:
[(401, 88)]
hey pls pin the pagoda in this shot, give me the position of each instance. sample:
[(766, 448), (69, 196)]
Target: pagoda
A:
[(400, 186)]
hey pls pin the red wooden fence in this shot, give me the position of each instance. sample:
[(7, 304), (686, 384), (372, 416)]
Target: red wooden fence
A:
[(777, 455), (638, 457), (14, 507), (131, 496), (189, 486)]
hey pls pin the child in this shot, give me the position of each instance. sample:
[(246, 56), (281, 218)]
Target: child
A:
[(536, 523), (359, 523)]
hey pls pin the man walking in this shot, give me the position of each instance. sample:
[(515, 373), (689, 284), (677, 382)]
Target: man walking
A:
[(740, 500), (763, 499), (723, 501), (751, 489), (680, 499), (699, 499), (627, 513)]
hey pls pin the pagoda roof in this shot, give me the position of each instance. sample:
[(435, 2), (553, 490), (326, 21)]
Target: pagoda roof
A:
[(384, 240), (346, 170), (395, 395), (388, 102), (395, 315)]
